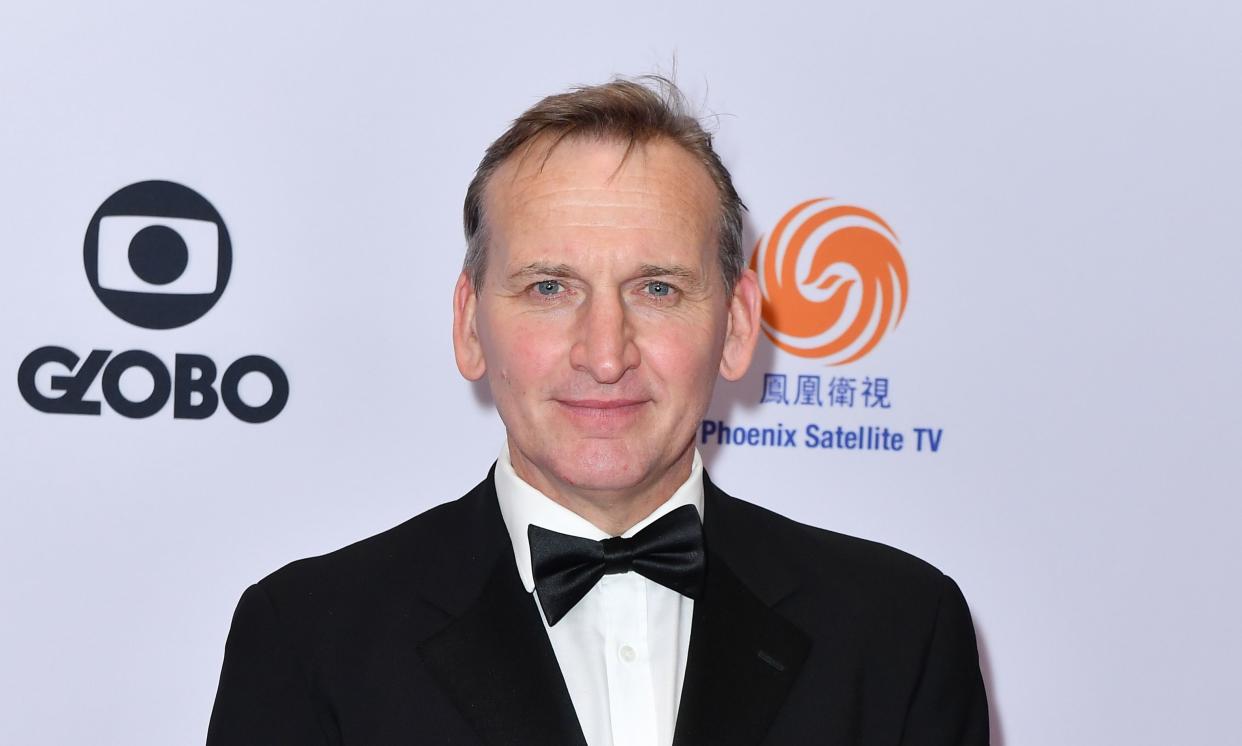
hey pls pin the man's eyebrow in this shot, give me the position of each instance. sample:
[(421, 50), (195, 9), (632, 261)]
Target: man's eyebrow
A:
[(546, 269), (676, 270)]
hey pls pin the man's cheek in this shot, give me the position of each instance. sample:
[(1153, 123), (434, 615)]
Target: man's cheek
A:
[(535, 359), (678, 357)]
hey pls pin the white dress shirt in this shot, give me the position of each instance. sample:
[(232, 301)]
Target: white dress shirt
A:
[(622, 648)]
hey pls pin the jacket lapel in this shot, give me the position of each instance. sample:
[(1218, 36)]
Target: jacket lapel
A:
[(744, 656), (497, 666), (494, 660)]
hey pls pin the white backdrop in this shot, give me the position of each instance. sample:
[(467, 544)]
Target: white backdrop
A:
[(1063, 178)]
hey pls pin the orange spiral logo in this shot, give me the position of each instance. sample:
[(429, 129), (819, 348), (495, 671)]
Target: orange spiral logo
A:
[(832, 280)]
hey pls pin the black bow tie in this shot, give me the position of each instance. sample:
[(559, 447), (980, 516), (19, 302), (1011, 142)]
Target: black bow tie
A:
[(668, 552)]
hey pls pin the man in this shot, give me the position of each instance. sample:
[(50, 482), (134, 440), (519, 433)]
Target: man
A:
[(604, 289)]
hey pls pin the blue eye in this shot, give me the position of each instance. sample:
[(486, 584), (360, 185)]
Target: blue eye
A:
[(659, 289), (548, 287)]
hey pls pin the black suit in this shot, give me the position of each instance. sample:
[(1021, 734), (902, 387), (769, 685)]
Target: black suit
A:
[(425, 635)]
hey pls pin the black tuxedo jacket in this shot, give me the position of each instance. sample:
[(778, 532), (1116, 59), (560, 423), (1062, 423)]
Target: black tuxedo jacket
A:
[(425, 635)]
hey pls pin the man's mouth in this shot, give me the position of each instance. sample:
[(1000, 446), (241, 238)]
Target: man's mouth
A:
[(605, 413), (604, 404)]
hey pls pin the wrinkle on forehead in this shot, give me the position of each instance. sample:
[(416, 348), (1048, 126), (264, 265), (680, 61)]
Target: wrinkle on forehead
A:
[(586, 184)]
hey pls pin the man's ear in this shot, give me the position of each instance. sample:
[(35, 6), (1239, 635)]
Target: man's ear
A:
[(742, 330), (466, 346)]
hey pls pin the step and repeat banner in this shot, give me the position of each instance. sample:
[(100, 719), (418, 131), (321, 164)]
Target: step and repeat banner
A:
[(999, 255)]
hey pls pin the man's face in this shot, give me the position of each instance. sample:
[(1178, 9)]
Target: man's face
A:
[(602, 321)]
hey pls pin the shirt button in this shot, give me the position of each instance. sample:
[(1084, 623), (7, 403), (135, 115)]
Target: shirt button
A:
[(627, 653)]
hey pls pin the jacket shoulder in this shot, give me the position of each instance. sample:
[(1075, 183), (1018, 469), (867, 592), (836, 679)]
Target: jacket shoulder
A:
[(846, 566), (889, 633), (391, 564)]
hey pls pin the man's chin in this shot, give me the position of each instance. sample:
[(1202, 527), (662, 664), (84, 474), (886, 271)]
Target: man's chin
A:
[(602, 466), (615, 479)]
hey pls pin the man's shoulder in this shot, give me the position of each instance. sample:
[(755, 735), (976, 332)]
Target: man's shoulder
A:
[(841, 565), (398, 559)]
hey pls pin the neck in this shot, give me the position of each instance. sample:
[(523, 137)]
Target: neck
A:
[(613, 511)]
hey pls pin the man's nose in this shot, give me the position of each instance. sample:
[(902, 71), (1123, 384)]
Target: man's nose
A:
[(605, 346)]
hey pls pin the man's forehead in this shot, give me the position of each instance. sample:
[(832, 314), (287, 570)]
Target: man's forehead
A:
[(584, 184)]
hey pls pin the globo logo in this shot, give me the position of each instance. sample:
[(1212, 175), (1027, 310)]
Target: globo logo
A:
[(191, 384), (157, 255)]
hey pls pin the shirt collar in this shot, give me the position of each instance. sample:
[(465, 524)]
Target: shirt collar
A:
[(521, 505)]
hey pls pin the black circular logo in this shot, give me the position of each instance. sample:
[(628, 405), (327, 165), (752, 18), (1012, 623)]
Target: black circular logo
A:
[(157, 254)]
